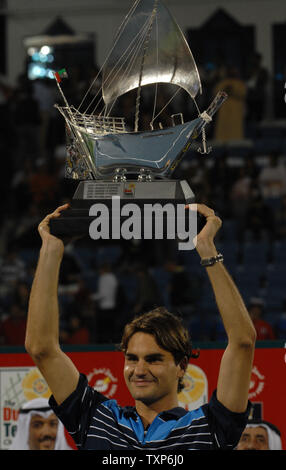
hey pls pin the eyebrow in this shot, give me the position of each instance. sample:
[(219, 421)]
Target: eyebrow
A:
[(28, 410), (149, 357), (245, 434)]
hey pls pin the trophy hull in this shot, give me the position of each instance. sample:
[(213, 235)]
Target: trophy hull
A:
[(94, 154), (108, 205), (159, 150)]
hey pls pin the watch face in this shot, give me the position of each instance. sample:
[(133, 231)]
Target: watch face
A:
[(208, 261), (211, 261)]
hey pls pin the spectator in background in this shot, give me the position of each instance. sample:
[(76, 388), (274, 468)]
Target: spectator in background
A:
[(12, 270), (76, 332), (230, 119), (241, 193), (26, 120), (280, 219), (280, 325), (256, 81), (239, 196), (260, 435), (38, 428), (13, 327), (12, 267), (106, 298), (22, 293), (264, 330), (45, 96), (81, 302), (259, 216), (272, 178), (21, 197), (148, 295), (241, 188), (23, 234), (69, 281), (251, 166), (43, 186), (6, 91), (6, 149)]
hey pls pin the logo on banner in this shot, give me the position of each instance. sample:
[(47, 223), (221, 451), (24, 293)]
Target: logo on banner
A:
[(257, 381), (195, 392), (35, 386), (103, 381)]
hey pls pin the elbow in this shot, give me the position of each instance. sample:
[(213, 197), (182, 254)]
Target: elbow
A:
[(38, 352), (243, 338), (248, 340), (35, 352)]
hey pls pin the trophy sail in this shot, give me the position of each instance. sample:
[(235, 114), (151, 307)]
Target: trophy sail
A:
[(149, 32)]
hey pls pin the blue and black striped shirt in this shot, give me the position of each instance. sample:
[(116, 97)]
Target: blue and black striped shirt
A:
[(98, 423)]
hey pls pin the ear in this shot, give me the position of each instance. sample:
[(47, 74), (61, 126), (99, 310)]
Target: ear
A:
[(183, 366)]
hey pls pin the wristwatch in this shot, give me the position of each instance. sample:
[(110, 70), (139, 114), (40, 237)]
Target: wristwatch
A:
[(211, 261)]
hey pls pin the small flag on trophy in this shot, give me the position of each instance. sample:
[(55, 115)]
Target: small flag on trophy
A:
[(60, 75)]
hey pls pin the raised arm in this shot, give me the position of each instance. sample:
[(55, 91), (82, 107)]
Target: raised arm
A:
[(236, 364), (42, 333)]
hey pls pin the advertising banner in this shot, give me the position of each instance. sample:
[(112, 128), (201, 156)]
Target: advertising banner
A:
[(21, 381)]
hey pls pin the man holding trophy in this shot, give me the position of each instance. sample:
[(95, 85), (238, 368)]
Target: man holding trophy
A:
[(105, 156), (152, 372)]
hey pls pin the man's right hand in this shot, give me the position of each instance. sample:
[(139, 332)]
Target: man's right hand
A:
[(45, 232)]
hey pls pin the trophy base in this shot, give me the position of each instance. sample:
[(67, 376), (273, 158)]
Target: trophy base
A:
[(113, 202)]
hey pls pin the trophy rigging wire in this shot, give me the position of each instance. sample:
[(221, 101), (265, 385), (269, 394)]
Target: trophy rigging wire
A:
[(121, 28)]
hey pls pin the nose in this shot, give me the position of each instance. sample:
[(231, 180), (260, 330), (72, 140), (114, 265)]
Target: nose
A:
[(47, 430), (140, 368), (251, 446)]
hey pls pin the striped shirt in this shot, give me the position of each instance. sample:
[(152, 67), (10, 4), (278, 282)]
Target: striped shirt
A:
[(98, 423)]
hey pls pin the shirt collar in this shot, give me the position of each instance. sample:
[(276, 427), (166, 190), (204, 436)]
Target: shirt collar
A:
[(175, 413)]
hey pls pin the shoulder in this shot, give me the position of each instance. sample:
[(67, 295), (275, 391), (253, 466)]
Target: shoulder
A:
[(83, 396), (226, 426)]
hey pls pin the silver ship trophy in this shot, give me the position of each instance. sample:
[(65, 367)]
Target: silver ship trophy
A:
[(111, 160)]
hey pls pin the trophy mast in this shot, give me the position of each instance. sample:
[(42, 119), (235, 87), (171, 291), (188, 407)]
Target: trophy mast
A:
[(146, 42)]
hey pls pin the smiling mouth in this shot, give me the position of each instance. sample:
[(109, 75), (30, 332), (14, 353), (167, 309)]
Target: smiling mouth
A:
[(47, 440), (142, 383)]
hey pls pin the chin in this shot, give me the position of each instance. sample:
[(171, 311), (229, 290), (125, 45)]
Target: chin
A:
[(146, 398), (47, 446)]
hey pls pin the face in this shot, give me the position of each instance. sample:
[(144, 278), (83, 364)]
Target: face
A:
[(43, 432), (255, 312), (254, 439), (150, 372)]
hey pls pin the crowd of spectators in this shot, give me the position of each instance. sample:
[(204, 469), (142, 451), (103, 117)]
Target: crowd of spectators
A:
[(104, 284)]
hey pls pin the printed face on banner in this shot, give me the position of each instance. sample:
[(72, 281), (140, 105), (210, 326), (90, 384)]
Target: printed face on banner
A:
[(43, 432), (17, 386)]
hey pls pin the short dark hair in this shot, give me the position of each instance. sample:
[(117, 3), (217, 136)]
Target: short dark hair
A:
[(168, 331)]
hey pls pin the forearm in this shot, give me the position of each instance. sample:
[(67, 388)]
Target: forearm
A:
[(237, 359), (42, 334), (235, 317)]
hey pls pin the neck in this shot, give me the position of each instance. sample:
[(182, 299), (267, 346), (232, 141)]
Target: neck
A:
[(148, 412)]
